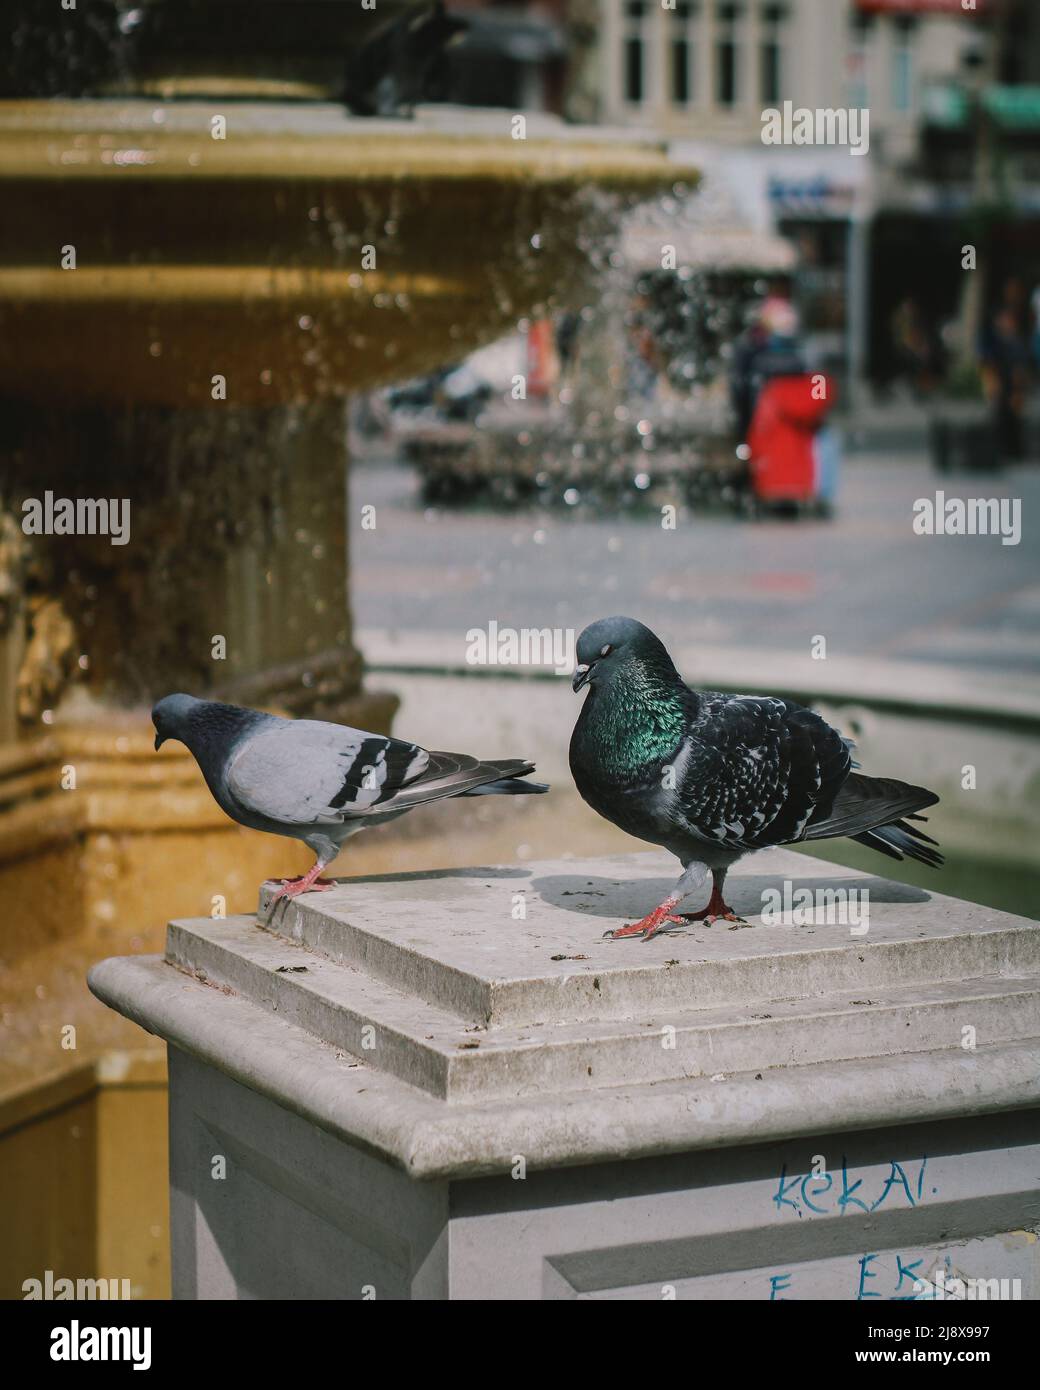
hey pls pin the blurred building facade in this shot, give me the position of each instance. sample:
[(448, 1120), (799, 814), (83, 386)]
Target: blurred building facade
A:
[(954, 146)]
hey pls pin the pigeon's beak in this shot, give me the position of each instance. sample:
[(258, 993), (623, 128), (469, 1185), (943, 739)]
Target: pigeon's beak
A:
[(581, 677), (159, 741)]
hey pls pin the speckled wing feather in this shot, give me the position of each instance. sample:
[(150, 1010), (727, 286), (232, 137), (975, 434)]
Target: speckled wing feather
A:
[(755, 771), (306, 772)]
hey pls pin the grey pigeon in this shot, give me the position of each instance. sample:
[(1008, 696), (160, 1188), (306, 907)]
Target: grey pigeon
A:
[(712, 777), (316, 782)]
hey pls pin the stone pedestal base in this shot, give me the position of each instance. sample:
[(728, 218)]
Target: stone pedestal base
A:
[(450, 1085), (308, 1216)]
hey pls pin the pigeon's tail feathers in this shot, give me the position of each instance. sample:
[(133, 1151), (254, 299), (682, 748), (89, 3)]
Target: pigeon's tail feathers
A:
[(902, 840), (458, 774), (876, 812), (865, 803), (511, 782)]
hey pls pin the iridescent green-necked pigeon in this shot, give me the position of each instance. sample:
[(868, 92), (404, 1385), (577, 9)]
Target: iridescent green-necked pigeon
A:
[(712, 777)]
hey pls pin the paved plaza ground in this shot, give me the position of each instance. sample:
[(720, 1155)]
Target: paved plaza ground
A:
[(864, 579)]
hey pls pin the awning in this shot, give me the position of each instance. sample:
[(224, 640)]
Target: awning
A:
[(948, 106), (730, 248), (945, 106), (1013, 108), (915, 7)]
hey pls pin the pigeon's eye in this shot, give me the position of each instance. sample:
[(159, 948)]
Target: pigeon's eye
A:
[(605, 651)]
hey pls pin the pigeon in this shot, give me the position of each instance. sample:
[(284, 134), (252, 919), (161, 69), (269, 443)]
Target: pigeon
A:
[(404, 62), (712, 777), (317, 782)]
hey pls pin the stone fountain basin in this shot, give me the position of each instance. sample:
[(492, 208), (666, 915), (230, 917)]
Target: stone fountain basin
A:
[(242, 257)]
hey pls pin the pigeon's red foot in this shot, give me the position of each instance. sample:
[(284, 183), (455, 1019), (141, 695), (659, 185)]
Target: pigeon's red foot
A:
[(293, 887), (716, 911), (649, 926)]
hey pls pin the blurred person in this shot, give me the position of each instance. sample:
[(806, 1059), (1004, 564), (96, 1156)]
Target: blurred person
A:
[(794, 456), (543, 362), (916, 348), (1004, 364), (644, 359), (768, 348), (568, 328)]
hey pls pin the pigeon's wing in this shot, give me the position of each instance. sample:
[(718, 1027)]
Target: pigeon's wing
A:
[(755, 771), (306, 772), (457, 774)]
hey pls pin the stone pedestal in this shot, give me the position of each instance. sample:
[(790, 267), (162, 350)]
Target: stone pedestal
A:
[(450, 1085)]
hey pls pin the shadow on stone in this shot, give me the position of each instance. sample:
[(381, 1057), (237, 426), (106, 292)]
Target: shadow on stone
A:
[(633, 898), (493, 871)]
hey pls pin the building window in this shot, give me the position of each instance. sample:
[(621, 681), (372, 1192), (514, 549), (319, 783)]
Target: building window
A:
[(857, 64), (727, 54), (683, 52), (903, 65), (771, 52), (634, 51), (862, 28)]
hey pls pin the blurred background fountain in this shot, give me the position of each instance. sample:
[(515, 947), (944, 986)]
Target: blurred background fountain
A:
[(220, 220)]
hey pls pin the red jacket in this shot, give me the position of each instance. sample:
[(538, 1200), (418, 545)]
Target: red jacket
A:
[(786, 418)]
